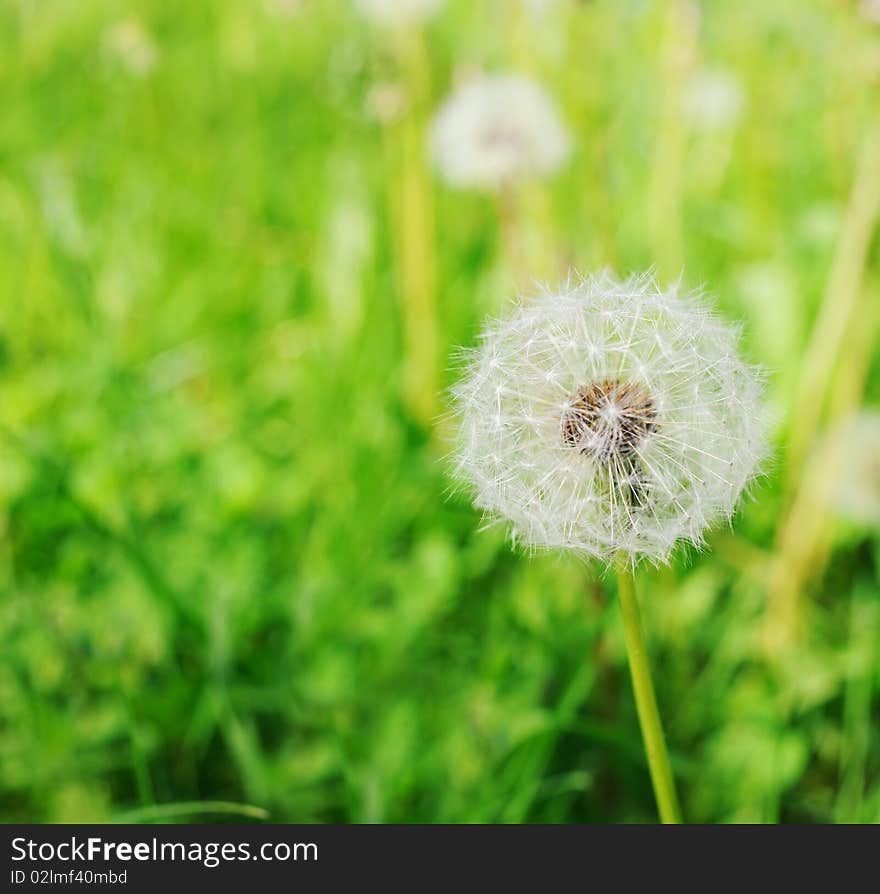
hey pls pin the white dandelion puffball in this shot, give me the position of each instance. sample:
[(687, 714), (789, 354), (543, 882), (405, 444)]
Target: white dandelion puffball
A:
[(495, 129), (610, 417), (398, 12), (856, 493), (713, 99)]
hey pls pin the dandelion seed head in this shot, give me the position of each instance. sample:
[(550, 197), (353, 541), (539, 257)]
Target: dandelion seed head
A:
[(496, 129), (398, 12), (610, 416)]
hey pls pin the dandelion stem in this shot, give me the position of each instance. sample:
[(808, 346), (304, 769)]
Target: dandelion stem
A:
[(646, 701), (529, 245), (509, 219)]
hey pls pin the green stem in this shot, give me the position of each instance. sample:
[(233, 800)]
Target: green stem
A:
[(646, 701)]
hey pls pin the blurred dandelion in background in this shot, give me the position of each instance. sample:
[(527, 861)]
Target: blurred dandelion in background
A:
[(398, 12), (870, 9), (856, 494), (496, 129), (712, 99), (283, 9), (386, 102), (500, 134), (132, 46)]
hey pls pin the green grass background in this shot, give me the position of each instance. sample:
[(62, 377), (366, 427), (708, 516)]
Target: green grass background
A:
[(231, 568)]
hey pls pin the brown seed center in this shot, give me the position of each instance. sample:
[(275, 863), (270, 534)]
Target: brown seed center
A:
[(607, 420)]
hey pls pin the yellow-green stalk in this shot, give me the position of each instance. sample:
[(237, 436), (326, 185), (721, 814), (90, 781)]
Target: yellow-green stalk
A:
[(646, 701), (664, 202), (840, 304), (414, 233), (842, 330)]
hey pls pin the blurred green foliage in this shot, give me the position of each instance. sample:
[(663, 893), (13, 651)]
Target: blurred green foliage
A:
[(230, 564)]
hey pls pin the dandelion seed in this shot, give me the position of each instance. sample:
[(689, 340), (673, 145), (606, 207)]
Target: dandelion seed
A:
[(611, 417), (497, 129), (398, 12)]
